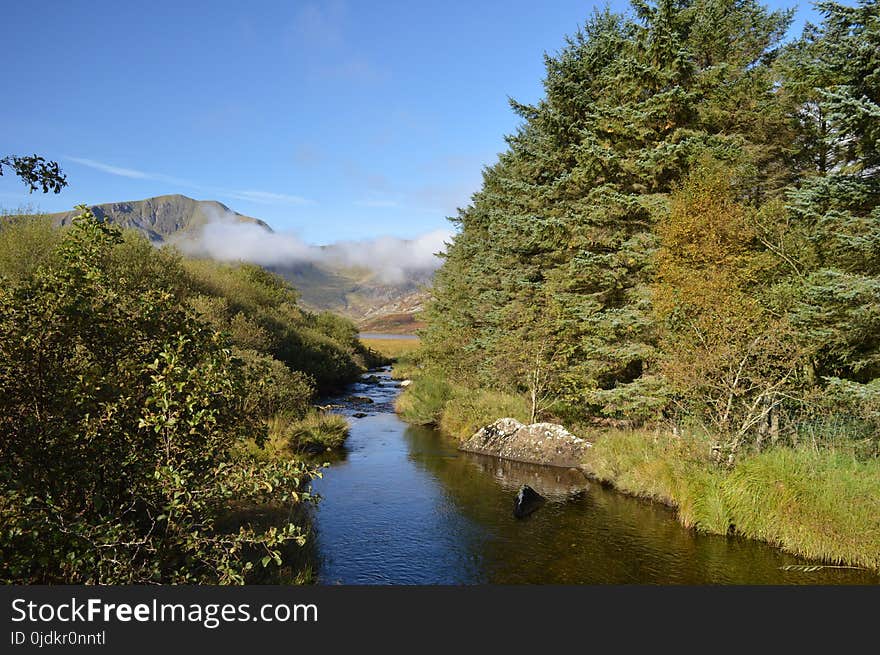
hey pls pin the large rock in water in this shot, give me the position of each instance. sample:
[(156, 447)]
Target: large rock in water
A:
[(538, 443)]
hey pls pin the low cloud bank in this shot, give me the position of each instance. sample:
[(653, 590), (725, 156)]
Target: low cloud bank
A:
[(391, 257), (226, 239)]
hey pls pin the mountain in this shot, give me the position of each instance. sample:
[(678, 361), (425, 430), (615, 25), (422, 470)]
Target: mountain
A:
[(163, 217), (361, 294), (358, 293)]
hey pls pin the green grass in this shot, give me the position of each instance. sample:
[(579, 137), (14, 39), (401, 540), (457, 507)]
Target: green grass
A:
[(289, 437), (406, 366), (392, 348), (468, 410), (423, 401), (458, 411), (318, 432), (817, 504)]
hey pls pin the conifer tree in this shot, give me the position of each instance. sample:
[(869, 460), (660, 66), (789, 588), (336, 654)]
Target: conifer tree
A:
[(835, 208), (565, 218)]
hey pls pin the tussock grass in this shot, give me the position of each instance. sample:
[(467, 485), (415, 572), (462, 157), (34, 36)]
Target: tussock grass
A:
[(456, 410), (423, 401), (275, 448), (406, 367), (820, 505), (468, 410), (318, 431), (290, 436)]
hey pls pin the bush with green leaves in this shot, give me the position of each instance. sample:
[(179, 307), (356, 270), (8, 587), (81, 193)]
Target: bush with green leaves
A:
[(120, 414), (259, 311)]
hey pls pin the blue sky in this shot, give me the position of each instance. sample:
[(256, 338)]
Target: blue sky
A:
[(332, 120)]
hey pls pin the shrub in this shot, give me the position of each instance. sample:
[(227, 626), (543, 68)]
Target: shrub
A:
[(26, 242), (259, 312), (120, 414), (272, 388)]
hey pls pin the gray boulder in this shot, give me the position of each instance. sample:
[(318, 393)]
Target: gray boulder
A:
[(538, 443)]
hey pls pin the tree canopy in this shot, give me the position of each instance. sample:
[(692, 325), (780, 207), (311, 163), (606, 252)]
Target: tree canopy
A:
[(687, 220)]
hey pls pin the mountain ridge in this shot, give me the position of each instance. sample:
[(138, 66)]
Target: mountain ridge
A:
[(357, 293), (161, 217)]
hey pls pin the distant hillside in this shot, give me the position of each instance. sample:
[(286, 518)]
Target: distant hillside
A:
[(162, 217), (356, 293), (361, 295)]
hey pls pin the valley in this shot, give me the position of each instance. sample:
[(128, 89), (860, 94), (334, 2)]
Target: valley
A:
[(359, 293)]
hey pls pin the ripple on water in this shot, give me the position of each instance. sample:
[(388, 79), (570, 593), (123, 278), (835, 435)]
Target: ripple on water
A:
[(403, 506)]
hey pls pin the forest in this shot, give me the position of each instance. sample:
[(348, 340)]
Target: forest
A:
[(678, 255)]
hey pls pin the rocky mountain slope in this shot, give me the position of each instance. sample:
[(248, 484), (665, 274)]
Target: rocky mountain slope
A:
[(358, 293), (162, 217)]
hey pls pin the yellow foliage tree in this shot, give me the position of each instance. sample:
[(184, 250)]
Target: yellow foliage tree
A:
[(726, 355)]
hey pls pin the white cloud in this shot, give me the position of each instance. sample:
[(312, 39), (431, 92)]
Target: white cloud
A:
[(250, 195), (269, 197), (229, 240), (113, 170), (391, 258)]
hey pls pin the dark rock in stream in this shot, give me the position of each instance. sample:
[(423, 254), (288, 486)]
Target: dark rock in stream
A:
[(359, 400), (527, 501), (360, 414)]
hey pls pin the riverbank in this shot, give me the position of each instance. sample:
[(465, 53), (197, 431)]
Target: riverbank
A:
[(401, 504), (823, 505), (390, 346)]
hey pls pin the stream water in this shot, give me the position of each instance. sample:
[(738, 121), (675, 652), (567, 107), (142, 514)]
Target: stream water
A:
[(403, 506)]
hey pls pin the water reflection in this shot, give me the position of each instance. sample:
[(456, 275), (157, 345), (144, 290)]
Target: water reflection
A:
[(405, 506)]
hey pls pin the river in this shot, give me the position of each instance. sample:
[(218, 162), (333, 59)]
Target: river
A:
[(403, 506)]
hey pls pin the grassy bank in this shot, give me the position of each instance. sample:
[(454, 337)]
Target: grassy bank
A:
[(316, 432), (392, 348), (821, 505), (458, 411)]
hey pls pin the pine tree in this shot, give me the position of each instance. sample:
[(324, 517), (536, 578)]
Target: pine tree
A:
[(836, 204), (565, 219)]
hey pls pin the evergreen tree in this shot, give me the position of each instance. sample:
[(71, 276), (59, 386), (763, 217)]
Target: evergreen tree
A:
[(834, 206), (565, 219)]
